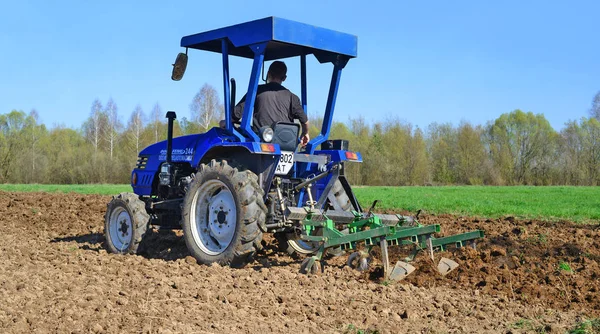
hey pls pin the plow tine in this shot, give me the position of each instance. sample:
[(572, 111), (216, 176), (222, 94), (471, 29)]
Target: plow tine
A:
[(400, 271), (446, 265), (430, 246), (384, 257)]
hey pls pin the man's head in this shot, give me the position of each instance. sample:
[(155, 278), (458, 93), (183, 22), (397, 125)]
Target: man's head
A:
[(277, 72)]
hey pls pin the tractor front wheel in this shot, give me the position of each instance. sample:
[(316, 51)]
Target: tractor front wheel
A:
[(222, 211), (125, 223)]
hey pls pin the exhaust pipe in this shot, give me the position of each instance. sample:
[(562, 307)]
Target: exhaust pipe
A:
[(232, 102), (171, 116), (165, 176)]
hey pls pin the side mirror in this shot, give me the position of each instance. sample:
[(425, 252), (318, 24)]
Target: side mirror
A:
[(179, 66)]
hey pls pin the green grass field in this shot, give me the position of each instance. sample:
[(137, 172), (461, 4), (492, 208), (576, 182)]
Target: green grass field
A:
[(100, 189), (581, 204)]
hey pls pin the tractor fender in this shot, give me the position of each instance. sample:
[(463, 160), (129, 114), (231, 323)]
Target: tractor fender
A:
[(247, 156), (230, 149)]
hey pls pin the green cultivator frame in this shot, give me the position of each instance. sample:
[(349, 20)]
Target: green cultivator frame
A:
[(371, 230)]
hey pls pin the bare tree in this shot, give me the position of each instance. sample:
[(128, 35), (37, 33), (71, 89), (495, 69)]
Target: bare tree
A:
[(113, 125), (595, 110), (135, 126), (34, 136), (155, 118), (205, 107), (93, 126)]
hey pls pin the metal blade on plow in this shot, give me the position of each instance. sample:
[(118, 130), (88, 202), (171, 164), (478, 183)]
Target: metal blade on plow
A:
[(400, 271), (446, 265)]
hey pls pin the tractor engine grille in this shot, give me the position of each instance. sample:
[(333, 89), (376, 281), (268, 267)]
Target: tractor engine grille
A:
[(141, 162)]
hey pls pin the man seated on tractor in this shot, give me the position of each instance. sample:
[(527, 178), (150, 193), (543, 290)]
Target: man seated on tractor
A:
[(274, 103)]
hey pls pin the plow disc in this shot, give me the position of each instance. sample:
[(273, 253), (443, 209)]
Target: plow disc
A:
[(371, 230)]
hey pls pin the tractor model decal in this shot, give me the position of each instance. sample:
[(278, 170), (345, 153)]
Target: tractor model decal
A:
[(184, 154)]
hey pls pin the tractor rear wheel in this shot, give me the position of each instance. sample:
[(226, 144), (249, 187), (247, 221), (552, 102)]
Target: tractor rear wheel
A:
[(125, 223), (294, 246), (223, 210)]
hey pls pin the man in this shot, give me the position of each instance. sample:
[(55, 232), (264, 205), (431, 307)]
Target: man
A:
[(274, 103)]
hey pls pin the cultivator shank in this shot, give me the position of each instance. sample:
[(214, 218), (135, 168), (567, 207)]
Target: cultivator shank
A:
[(375, 230)]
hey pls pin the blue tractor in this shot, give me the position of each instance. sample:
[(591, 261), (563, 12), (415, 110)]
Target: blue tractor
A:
[(228, 186)]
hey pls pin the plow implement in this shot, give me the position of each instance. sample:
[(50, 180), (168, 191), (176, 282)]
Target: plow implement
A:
[(351, 230)]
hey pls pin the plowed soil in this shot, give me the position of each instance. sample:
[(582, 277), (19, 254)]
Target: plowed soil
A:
[(55, 276)]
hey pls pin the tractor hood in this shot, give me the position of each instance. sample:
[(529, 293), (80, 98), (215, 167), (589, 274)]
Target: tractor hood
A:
[(183, 148)]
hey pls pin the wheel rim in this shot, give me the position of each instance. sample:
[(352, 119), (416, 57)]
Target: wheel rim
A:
[(301, 246), (120, 228), (310, 247), (213, 217)]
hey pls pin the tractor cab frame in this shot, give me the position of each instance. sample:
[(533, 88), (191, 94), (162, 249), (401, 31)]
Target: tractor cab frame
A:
[(275, 38)]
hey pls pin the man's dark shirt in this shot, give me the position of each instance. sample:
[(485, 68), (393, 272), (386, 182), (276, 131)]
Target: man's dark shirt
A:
[(274, 103)]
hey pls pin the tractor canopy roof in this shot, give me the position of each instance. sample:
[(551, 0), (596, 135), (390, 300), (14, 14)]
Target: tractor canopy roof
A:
[(284, 39)]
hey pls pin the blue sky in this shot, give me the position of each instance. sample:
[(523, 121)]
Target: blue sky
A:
[(422, 62)]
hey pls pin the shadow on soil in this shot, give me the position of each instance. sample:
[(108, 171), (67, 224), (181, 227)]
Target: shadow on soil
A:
[(169, 245), (166, 245), (92, 238)]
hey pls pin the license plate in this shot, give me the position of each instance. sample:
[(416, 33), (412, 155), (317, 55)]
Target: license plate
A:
[(286, 161)]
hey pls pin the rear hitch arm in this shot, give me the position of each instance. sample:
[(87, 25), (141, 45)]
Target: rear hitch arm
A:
[(316, 178)]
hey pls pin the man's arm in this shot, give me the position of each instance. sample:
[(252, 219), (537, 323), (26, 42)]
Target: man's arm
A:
[(299, 114), (238, 110)]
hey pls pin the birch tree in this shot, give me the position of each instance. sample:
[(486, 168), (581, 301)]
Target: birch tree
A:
[(93, 126), (156, 120), (135, 127), (205, 107), (33, 132), (113, 125)]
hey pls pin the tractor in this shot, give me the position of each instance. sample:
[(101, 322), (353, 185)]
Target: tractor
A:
[(228, 186)]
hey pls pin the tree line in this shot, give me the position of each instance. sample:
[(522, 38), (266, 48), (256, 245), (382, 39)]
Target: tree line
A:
[(517, 148)]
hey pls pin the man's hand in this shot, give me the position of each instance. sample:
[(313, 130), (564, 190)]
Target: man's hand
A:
[(304, 139)]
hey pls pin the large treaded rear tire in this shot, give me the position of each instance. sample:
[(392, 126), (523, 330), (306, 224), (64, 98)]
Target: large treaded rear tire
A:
[(125, 223), (229, 192)]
